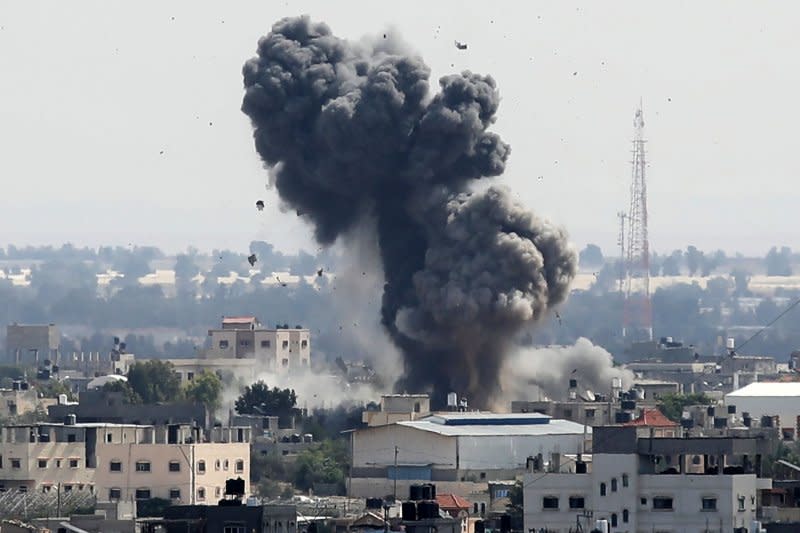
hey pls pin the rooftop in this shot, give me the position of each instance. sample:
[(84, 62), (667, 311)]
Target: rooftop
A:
[(651, 418), (488, 424), (768, 389), (239, 319), (452, 501)]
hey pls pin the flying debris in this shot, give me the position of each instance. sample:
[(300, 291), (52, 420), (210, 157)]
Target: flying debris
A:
[(402, 173), (252, 259), (260, 205), (460, 45), (319, 273)]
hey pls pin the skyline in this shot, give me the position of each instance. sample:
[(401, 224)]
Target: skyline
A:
[(84, 124)]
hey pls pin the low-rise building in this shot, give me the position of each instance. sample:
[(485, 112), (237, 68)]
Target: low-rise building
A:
[(777, 401), (225, 519), (461, 452), (640, 483), (32, 344)]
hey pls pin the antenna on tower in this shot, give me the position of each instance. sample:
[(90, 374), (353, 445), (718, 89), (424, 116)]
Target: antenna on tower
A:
[(621, 243), (637, 322)]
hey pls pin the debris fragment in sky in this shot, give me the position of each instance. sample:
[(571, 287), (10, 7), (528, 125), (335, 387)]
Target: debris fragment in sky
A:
[(260, 205), (460, 45), (252, 259)]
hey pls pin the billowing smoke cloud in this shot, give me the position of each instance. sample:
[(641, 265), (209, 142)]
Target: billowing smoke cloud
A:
[(550, 368), (353, 137)]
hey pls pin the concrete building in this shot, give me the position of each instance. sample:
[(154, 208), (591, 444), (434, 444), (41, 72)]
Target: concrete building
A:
[(748, 364), (187, 369), (779, 401), (179, 463), (648, 484), (397, 407), (461, 452), (32, 344), (279, 349), (17, 401)]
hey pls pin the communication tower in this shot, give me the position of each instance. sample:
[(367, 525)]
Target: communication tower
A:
[(637, 324)]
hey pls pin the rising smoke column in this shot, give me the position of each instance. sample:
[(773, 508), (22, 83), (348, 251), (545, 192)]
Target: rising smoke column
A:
[(353, 137)]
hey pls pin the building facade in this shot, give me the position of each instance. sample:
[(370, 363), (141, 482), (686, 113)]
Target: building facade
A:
[(397, 407), (277, 350), (32, 344), (644, 484)]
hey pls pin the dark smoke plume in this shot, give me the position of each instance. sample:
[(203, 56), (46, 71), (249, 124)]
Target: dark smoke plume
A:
[(353, 137)]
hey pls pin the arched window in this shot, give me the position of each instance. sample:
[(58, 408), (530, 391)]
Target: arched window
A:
[(624, 516), (613, 519), (613, 484), (624, 480), (602, 489)]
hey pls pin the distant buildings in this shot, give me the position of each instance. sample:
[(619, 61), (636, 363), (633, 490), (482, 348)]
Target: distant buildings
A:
[(32, 344), (397, 407), (768, 403)]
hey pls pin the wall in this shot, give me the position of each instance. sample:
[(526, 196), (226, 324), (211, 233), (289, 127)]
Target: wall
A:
[(488, 452), (22, 338), (375, 447), (787, 408), (374, 487)]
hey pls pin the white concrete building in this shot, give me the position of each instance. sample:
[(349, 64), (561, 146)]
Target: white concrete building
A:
[(456, 450), (397, 407), (768, 399), (666, 485), (279, 350)]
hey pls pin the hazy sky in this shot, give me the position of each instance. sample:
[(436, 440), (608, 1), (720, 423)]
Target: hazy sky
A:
[(91, 93)]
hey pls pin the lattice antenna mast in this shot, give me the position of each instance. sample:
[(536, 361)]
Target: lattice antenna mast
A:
[(638, 316), (623, 259)]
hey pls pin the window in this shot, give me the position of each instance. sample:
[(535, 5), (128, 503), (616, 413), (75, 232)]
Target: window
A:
[(190, 376), (234, 529), (142, 494), (71, 437), (625, 480), (285, 362), (73, 463), (217, 492), (174, 466), (501, 493), (285, 344), (709, 504), (201, 494), (42, 463), (576, 502), (225, 464), (114, 493), (23, 489), (244, 343), (613, 484), (239, 465), (741, 503), (550, 502), (602, 489), (416, 407), (115, 466), (201, 467), (16, 463), (614, 520), (142, 466), (662, 503), (265, 344), (590, 413), (483, 475), (643, 501), (223, 345), (304, 344), (67, 488), (58, 463), (216, 464), (108, 437), (174, 494), (46, 488)]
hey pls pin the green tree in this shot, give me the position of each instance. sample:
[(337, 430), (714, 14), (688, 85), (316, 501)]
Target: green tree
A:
[(128, 394), (672, 405), (259, 399), (326, 462), (155, 381), (205, 389)]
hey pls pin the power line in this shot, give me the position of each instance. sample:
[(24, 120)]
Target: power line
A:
[(760, 331)]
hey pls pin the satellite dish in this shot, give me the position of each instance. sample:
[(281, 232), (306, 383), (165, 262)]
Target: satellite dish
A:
[(588, 396)]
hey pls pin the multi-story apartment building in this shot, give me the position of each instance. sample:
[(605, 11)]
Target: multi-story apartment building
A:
[(178, 463), (640, 483), (124, 461), (280, 349)]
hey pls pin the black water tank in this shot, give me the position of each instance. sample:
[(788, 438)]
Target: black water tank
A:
[(710, 411), (415, 493), (720, 422), (731, 409), (505, 523), (479, 526), (427, 492), (573, 384), (580, 467), (687, 423), (427, 510), (409, 511), (628, 405), (766, 421), (622, 417), (433, 491), (374, 503)]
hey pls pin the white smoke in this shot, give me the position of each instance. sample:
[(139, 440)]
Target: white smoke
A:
[(550, 369)]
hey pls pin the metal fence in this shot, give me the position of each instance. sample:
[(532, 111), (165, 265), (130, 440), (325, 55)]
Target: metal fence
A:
[(15, 504)]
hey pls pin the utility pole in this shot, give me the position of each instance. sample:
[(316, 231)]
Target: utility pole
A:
[(396, 449)]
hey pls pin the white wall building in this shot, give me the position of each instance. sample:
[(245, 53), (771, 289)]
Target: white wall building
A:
[(781, 400), (666, 485), (456, 450)]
